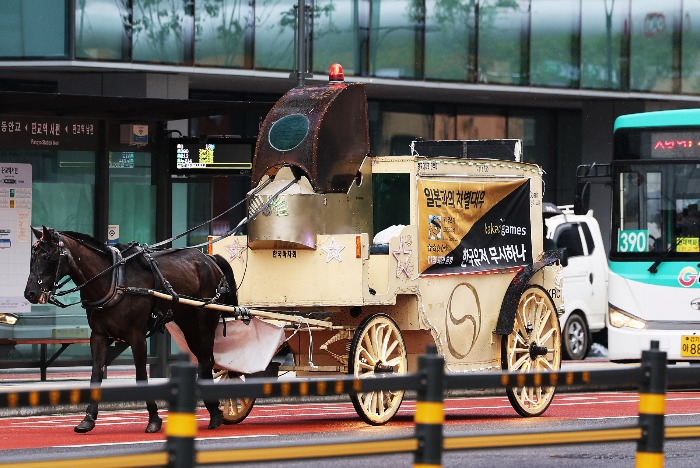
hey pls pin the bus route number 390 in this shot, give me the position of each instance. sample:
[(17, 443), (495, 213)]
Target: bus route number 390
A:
[(690, 345)]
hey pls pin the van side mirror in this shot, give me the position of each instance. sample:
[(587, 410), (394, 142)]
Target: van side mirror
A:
[(563, 256)]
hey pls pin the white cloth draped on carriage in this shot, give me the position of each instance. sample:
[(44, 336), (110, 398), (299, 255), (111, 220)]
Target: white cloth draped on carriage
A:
[(245, 348)]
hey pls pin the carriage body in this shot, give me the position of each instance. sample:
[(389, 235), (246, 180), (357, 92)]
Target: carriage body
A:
[(440, 246), (341, 271)]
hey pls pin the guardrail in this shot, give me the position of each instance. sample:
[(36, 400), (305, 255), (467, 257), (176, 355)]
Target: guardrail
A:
[(430, 382)]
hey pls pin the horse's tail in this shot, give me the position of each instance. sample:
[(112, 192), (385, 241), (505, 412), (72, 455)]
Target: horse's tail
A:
[(232, 296)]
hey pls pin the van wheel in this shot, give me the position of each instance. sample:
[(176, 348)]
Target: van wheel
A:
[(577, 338)]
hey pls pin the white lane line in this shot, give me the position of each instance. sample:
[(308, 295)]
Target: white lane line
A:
[(141, 442)]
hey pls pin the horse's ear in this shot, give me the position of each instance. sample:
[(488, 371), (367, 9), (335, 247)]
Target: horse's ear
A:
[(37, 233), (47, 233)]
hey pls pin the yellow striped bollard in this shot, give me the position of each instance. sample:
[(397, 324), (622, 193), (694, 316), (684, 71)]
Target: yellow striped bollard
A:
[(181, 427), (430, 413), (652, 408)]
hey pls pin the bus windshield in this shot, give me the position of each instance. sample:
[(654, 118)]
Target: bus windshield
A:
[(655, 210)]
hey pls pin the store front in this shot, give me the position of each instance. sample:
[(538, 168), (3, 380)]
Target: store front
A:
[(107, 175)]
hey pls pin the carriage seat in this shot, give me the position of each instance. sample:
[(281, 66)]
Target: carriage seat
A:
[(380, 242)]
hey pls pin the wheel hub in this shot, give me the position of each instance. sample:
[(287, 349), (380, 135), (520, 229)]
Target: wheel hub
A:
[(383, 368), (537, 350)]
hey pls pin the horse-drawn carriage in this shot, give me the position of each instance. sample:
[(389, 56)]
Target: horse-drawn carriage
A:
[(357, 262), (379, 256)]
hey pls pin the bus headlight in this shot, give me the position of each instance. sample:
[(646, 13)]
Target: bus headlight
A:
[(620, 319)]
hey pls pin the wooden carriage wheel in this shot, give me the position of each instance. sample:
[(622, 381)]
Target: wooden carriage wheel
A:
[(377, 349), (235, 409), (533, 345)]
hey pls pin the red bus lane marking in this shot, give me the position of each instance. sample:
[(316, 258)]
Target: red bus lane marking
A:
[(276, 419)]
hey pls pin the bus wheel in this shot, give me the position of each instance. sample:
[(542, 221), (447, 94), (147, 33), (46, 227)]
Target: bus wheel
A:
[(377, 349), (235, 409), (533, 345)]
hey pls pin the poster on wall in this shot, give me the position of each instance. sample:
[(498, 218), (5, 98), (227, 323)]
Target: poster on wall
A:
[(467, 227), (15, 235)]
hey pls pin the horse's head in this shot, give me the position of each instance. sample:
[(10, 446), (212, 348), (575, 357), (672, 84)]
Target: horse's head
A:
[(45, 267)]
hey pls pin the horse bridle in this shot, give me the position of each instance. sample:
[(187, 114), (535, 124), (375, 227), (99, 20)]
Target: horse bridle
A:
[(51, 293)]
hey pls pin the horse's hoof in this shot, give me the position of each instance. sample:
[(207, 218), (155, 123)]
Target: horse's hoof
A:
[(86, 425), (154, 425), (216, 420)]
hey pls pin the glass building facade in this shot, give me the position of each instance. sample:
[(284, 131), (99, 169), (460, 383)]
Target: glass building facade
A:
[(581, 44)]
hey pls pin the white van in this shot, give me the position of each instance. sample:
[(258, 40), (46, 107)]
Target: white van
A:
[(585, 278)]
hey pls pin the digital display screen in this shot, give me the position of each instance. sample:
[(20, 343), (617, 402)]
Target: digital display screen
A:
[(675, 144), (211, 155)]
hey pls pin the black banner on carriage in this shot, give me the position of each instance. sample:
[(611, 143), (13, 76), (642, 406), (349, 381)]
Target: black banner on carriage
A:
[(467, 227)]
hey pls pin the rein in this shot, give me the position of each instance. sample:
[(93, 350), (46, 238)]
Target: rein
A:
[(145, 250)]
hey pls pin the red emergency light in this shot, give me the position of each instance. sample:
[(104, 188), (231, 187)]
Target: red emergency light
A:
[(336, 73)]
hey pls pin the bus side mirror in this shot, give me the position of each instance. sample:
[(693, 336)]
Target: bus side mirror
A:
[(582, 200)]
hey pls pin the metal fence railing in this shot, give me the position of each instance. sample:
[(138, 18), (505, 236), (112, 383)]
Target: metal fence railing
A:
[(182, 391)]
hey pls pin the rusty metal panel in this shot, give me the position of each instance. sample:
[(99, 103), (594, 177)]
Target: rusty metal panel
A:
[(322, 130)]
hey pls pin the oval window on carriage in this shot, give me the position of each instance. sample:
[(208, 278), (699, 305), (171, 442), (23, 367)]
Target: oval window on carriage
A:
[(288, 132)]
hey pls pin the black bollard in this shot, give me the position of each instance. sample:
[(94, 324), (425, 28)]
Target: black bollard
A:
[(181, 427), (652, 408), (430, 411)]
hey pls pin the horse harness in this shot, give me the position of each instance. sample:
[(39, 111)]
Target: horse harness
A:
[(118, 288)]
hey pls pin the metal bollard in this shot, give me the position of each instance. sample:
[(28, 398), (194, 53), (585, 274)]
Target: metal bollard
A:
[(430, 413), (652, 408), (181, 427)]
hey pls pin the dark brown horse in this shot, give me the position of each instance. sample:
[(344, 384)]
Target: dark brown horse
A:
[(112, 292)]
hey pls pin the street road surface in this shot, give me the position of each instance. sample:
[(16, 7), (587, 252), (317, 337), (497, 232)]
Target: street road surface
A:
[(47, 437)]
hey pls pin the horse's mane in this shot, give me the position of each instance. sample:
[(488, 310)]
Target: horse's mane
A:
[(87, 240)]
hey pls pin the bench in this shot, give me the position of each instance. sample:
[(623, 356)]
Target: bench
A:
[(8, 344)]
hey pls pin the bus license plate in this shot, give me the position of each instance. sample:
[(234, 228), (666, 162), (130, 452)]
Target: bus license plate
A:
[(690, 345)]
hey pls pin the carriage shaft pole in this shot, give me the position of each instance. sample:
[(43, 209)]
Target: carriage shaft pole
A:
[(235, 309)]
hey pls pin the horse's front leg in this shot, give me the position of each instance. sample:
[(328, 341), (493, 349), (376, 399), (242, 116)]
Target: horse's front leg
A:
[(138, 347), (98, 348)]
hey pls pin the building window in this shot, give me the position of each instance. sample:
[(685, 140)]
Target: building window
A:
[(603, 26), (132, 196), (162, 31), (336, 35), (651, 45), (221, 29), (102, 30), (690, 83), (448, 40), (275, 23), (394, 27), (394, 127), (554, 43), (33, 28), (503, 41), (63, 197)]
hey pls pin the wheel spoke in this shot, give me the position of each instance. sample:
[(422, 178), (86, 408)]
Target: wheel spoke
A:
[(545, 338), (390, 348)]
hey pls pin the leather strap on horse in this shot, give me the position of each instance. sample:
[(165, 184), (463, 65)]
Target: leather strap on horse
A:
[(116, 288)]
